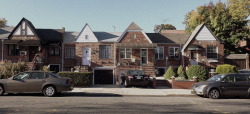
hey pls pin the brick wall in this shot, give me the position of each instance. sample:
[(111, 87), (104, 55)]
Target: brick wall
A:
[(95, 60), (128, 38), (182, 84), (202, 55)]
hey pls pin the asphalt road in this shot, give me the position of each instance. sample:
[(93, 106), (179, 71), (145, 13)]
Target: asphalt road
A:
[(82, 103)]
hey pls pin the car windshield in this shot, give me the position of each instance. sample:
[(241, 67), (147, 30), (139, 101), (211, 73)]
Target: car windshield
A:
[(216, 78), (135, 72)]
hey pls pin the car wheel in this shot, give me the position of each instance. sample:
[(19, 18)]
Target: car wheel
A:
[(1, 90), (214, 94), (49, 91)]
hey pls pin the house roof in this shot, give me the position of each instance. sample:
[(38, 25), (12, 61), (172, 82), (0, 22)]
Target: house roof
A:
[(107, 36), (28, 23), (195, 33), (176, 38), (54, 35), (70, 37), (236, 56), (133, 26), (5, 32)]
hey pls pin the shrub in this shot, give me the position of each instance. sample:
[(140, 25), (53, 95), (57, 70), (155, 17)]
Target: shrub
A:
[(181, 72), (45, 68), (169, 73), (198, 71), (7, 69), (78, 78), (225, 68)]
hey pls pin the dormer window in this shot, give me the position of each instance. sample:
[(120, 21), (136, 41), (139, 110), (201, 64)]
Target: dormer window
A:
[(86, 37)]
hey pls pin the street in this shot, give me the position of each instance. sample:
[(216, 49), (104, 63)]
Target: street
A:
[(82, 103)]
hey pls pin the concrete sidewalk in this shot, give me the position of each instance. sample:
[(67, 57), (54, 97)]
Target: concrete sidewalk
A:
[(132, 91)]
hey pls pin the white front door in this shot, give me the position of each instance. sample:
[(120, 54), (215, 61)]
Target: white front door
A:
[(86, 56)]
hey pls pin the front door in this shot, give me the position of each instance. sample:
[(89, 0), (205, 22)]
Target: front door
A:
[(86, 56), (33, 50), (194, 58), (144, 56)]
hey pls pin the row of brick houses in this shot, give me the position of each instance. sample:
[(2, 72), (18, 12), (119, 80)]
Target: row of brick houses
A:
[(109, 54)]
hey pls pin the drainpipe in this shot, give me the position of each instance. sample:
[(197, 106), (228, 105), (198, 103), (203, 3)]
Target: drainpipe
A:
[(62, 61)]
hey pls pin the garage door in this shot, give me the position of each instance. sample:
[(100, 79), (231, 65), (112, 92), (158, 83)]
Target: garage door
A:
[(103, 76)]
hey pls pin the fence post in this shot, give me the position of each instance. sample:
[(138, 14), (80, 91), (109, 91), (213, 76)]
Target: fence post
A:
[(247, 61), (173, 80)]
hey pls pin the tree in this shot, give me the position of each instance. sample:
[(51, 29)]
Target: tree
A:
[(181, 72), (198, 71), (227, 21), (164, 27), (3, 22), (169, 73)]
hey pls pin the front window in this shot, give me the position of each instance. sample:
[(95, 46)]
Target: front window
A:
[(125, 53), (86, 37), (54, 51), (159, 53), (211, 52), (174, 52), (13, 49), (216, 78), (104, 52), (70, 52)]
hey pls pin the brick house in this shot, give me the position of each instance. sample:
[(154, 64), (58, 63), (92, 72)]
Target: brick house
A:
[(203, 48), (37, 47), (110, 54)]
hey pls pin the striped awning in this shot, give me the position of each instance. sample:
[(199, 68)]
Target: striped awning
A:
[(136, 45)]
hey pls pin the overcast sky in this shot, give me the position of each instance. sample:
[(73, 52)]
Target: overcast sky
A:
[(101, 15)]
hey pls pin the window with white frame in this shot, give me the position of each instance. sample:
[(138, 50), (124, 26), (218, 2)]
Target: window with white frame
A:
[(105, 51), (174, 52), (70, 52), (125, 53), (212, 52), (159, 52)]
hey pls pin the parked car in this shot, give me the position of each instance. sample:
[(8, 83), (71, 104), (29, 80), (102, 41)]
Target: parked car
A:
[(223, 85), (136, 77), (36, 82), (244, 71)]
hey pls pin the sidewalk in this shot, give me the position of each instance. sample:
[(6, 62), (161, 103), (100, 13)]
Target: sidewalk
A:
[(132, 91)]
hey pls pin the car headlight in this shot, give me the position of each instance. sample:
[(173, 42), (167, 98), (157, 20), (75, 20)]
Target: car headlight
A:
[(202, 86)]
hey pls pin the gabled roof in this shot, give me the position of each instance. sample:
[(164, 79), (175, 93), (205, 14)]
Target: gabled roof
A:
[(5, 32), (86, 27), (175, 38), (134, 27), (195, 33), (30, 25)]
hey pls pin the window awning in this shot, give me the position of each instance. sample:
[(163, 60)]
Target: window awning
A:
[(194, 47), (136, 45), (11, 41), (30, 43)]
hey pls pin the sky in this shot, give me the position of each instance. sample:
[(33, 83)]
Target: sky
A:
[(101, 15)]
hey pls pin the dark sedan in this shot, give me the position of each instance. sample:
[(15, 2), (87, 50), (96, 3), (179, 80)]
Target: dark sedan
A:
[(136, 77), (36, 82), (223, 85)]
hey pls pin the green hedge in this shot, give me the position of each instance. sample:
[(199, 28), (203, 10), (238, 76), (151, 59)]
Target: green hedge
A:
[(78, 78), (169, 73), (198, 71), (225, 68)]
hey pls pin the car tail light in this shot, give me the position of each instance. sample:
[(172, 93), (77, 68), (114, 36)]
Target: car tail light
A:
[(130, 76), (69, 81)]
